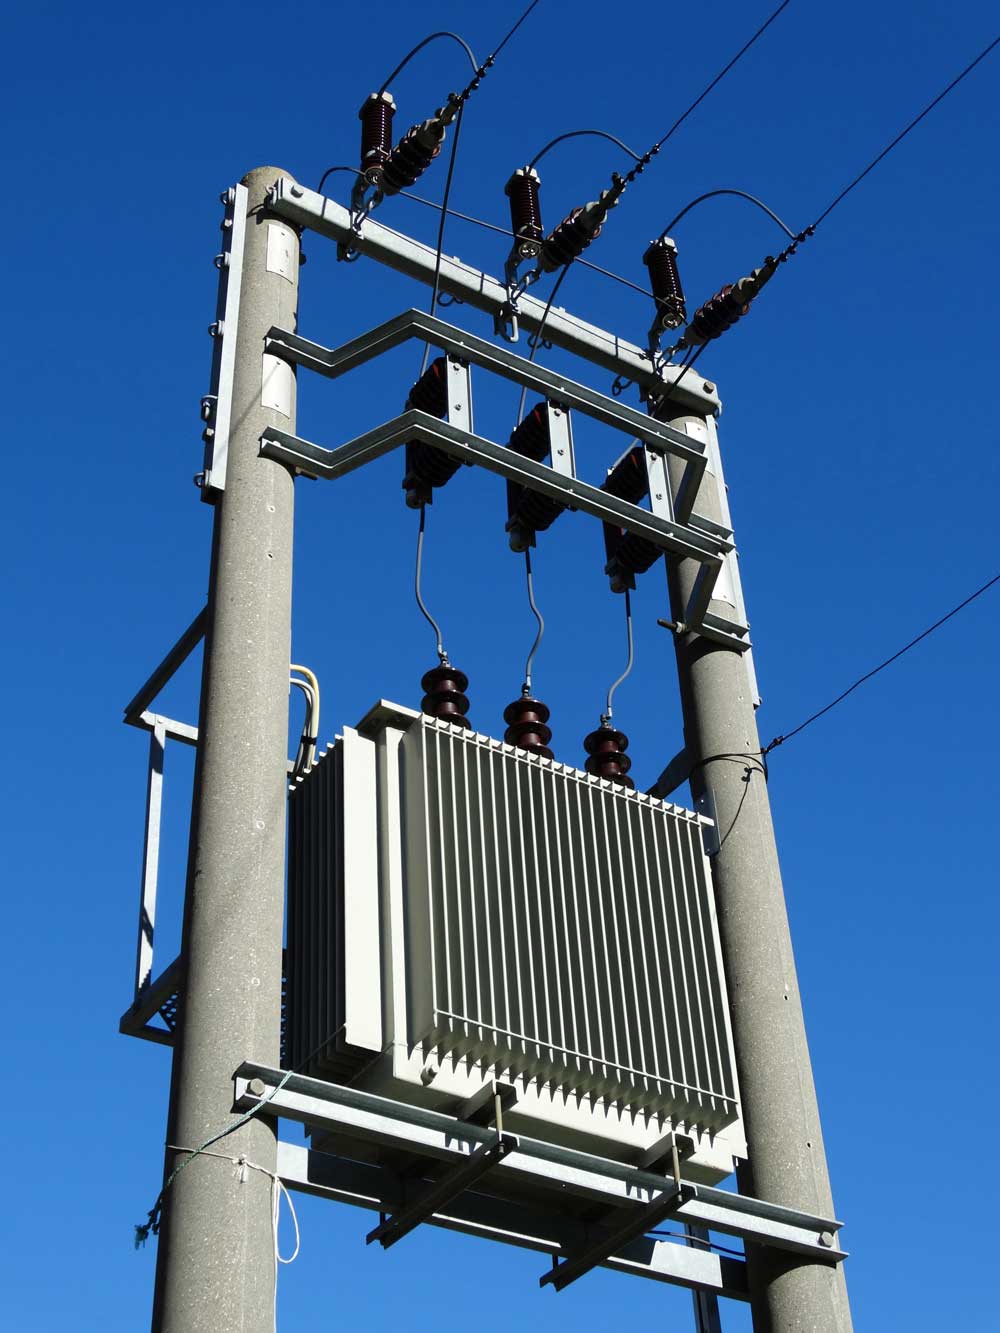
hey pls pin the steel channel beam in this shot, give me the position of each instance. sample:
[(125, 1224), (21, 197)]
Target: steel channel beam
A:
[(364, 1116), (644, 1219), (416, 324), (314, 460), (366, 1185), (443, 1192), (483, 292)]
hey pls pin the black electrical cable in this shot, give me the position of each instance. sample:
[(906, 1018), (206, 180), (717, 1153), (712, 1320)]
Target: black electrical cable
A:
[(787, 736), (537, 336), (441, 225), (651, 152), (420, 46), (712, 194), (575, 134), (904, 132)]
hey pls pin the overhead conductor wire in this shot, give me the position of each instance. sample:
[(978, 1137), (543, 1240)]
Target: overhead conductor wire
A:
[(643, 161), (770, 266)]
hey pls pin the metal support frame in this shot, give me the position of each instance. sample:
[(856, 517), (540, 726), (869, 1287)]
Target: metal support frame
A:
[(543, 1168), (682, 534), (480, 291), (445, 1191), (157, 995), (217, 404)]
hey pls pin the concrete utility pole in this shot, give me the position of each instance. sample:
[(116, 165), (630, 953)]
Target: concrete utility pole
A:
[(787, 1161), (215, 1265)]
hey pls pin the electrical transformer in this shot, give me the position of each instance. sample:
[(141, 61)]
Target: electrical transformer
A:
[(462, 911)]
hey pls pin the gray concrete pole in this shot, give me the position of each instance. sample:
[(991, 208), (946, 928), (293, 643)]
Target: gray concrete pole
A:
[(215, 1264), (787, 1162)]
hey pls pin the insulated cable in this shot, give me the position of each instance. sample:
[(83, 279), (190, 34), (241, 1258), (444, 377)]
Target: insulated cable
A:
[(904, 132), (426, 42), (607, 714), (575, 134), (526, 687), (732, 302), (787, 736), (712, 194), (442, 655)]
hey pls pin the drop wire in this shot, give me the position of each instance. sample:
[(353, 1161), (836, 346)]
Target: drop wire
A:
[(526, 687), (631, 656), (442, 655)]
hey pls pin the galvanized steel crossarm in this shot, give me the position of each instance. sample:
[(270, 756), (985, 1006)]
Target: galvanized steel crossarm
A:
[(316, 461), (529, 1226), (644, 1219), (483, 292), (443, 1192), (369, 1118), (334, 362)]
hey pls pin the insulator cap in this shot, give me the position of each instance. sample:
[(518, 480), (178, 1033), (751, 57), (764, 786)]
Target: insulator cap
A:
[(525, 211), (444, 695), (375, 114), (719, 313), (417, 149), (427, 467), (576, 231), (526, 719), (628, 479), (606, 747), (665, 283), (530, 437), (529, 511)]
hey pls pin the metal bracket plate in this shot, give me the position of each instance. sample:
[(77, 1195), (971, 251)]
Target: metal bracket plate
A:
[(217, 405)]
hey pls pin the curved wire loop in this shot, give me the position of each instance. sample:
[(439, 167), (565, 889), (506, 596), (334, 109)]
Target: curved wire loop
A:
[(607, 715), (741, 194), (526, 687), (575, 134), (442, 655), (420, 46)]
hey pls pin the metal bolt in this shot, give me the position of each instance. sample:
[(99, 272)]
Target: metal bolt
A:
[(428, 1074), (709, 388), (256, 1087), (560, 452), (297, 191), (826, 1238)]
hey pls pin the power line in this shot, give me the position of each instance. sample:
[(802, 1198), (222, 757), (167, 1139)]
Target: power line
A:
[(787, 736), (651, 152), (904, 132)]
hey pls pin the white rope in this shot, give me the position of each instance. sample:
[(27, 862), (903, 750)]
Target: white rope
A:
[(241, 1166)]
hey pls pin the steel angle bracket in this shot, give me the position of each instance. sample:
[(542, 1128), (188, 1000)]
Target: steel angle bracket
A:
[(444, 1192), (315, 461), (481, 291), (217, 404), (642, 1220), (532, 1168), (410, 324)]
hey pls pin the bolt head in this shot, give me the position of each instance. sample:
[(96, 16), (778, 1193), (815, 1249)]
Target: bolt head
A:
[(256, 1087), (826, 1238), (708, 387)]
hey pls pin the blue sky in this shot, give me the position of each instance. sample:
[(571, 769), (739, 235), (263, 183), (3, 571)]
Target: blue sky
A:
[(860, 437)]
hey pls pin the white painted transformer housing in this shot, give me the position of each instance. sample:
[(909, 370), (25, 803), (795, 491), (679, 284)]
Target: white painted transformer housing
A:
[(460, 910)]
